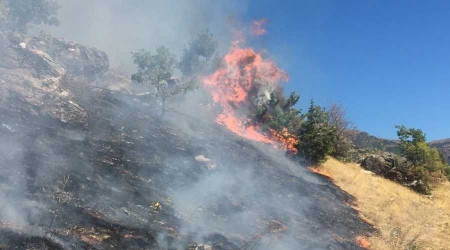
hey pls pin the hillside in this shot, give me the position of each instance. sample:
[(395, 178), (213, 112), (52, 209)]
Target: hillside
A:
[(403, 218), (88, 163), (365, 141)]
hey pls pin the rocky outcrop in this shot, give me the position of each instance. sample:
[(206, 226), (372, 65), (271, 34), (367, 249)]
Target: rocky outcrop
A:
[(385, 164), (395, 168), (42, 73), (364, 141)]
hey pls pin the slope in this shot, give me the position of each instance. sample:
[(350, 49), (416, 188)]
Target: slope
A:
[(404, 219), (87, 164)]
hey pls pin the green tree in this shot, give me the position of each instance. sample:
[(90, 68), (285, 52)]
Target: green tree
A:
[(198, 55), (278, 114), (156, 69), (425, 160), (317, 136), (412, 144), (21, 13)]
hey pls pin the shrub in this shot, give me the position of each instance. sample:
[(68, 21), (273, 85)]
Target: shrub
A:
[(447, 172), (317, 136)]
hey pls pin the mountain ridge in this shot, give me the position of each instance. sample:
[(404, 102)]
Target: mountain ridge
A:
[(365, 141)]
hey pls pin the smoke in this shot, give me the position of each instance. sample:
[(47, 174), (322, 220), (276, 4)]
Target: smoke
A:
[(214, 186), (121, 26), (238, 197), (257, 28)]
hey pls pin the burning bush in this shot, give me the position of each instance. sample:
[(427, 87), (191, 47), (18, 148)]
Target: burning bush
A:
[(243, 83)]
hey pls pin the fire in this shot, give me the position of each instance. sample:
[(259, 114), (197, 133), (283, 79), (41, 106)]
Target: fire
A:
[(257, 27), (231, 84), (362, 242), (287, 140), (234, 85)]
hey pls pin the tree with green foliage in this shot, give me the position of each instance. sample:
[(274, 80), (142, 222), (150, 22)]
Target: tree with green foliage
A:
[(424, 160), (278, 114), (316, 135), (198, 55), (156, 69), (413, 145), (19, 14)]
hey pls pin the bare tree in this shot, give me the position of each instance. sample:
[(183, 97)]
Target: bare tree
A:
[(343, 130)]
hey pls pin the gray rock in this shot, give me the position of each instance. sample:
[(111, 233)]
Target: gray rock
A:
[(395, 168), (43, 74)]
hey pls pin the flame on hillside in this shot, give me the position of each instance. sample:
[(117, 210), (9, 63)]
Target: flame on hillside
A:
[(232, 86), (287, 140)]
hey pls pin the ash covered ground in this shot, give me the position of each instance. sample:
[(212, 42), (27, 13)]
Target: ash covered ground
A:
[(87, 163)]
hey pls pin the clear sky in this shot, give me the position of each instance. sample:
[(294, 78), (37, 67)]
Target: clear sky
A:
[(386, 62)]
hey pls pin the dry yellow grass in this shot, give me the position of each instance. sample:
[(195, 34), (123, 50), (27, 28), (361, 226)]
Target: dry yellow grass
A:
[(404, 219)]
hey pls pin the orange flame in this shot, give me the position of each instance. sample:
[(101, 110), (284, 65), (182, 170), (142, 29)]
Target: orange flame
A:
[(287, 140), (257, 28), (245, 70), (231, 84), (362, 242)]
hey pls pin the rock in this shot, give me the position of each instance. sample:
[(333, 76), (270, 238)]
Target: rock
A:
[(202, 158), (387, 165), (200, 247), (78, 59), (45, 75), (395, 168), (208, 162), (375, 164)]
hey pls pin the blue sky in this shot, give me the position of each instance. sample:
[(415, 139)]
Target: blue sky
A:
[(386, 62)]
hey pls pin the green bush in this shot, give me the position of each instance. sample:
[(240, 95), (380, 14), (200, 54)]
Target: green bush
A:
[(422, 175), (447, 172)]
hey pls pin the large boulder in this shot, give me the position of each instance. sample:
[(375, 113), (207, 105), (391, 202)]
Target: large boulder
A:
[(75, 58), (395, 168), (387, 165), (45, 75)]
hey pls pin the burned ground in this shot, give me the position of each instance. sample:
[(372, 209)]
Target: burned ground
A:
[(121, 177)]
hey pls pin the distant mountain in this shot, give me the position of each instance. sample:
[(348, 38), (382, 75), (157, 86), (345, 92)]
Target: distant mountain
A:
[(365, 141), (443, 146)]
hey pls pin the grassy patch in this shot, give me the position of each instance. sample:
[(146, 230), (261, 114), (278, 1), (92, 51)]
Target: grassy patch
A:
[(405, 219)]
